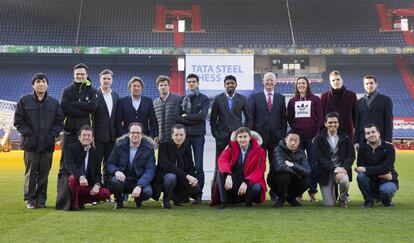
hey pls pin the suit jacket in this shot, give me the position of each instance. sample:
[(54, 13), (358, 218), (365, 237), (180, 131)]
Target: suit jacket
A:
[(271, 125), (74, 158), (142, 169), (224, 121), (145, 115), (105, 130), (346, 109), (380, 113)]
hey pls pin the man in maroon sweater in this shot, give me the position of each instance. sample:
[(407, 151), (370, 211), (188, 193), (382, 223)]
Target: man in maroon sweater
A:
[(340, 100)]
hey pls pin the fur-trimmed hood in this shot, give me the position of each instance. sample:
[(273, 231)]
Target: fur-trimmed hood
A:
[(147, 140), (254, 134)]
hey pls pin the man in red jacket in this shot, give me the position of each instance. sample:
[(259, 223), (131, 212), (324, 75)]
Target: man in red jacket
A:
[(241, 168)]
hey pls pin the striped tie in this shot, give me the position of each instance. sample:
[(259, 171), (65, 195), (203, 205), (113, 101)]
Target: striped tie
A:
[(269, 101)]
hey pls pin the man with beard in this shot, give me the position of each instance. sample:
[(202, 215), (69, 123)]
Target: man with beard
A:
[(226, 115), (377, 178)]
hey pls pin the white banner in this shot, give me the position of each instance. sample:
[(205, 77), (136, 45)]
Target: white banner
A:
[(212, 69)]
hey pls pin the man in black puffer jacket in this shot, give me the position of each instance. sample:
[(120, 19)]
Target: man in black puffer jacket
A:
[(39, 120), (289, 170)]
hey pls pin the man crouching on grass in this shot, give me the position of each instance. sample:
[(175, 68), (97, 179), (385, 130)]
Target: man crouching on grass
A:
[(377, 178), (84, 168), (241, 168)]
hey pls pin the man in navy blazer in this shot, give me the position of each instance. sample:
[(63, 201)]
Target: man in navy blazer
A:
[(375, 108), (268, 110), (105, 116), (132, 166), (136, 108)]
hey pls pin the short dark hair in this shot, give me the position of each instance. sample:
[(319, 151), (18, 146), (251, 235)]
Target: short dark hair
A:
[(106, 71), (86, 128), (293, 131), (369, 125), (331, 115), (178, 126), (243, 130), (39, 76), (163, 78), (81, 65), (193, 75), (135, 124), (308, 88), (230, 77), (370, 77)]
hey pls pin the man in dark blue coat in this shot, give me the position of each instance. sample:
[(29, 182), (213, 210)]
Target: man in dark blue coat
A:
[(136, 108), (132, 166)]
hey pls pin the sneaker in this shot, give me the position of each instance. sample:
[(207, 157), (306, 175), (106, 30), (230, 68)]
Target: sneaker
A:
[(278, 204), (119, 205), (312, 197), (368, 204), (30, 205), (343, 203), (294, 202)]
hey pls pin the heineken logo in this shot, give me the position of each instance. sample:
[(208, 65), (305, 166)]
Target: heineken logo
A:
[(48, 49)]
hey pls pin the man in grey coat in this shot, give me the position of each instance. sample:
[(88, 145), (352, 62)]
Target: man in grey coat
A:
[(165, 108)]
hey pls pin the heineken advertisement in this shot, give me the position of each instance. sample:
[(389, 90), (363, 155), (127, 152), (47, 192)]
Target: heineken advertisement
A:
[(88, 50)]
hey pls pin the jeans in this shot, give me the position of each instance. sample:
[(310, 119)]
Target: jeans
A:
[(308, 145), (197, 143), (373, 189), (118, 187), (329, 190), (169, 182), (230, 196)]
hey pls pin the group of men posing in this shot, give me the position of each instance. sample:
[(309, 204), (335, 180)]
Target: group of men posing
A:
[(118, 136)]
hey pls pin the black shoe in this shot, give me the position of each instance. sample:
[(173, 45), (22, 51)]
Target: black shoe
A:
[(387, 203), (138, 204), (75, 209), (222, 206), (119, 205), (278, 204), (293, 202), (197, 200), (248, 205), (273, 195), (166, 205), (368, 204)]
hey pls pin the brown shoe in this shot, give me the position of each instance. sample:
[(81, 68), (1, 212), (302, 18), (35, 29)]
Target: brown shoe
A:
[(312, 197)]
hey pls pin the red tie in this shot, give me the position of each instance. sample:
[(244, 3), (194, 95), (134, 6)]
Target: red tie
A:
[(269, 101)]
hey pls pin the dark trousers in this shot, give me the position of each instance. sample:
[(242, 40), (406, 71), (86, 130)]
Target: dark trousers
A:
[(79, 195), (118, 187), (252, 194), (308, 145), (36, 176), (103, 150), (169, 184), (288, 186), (197, 143)]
